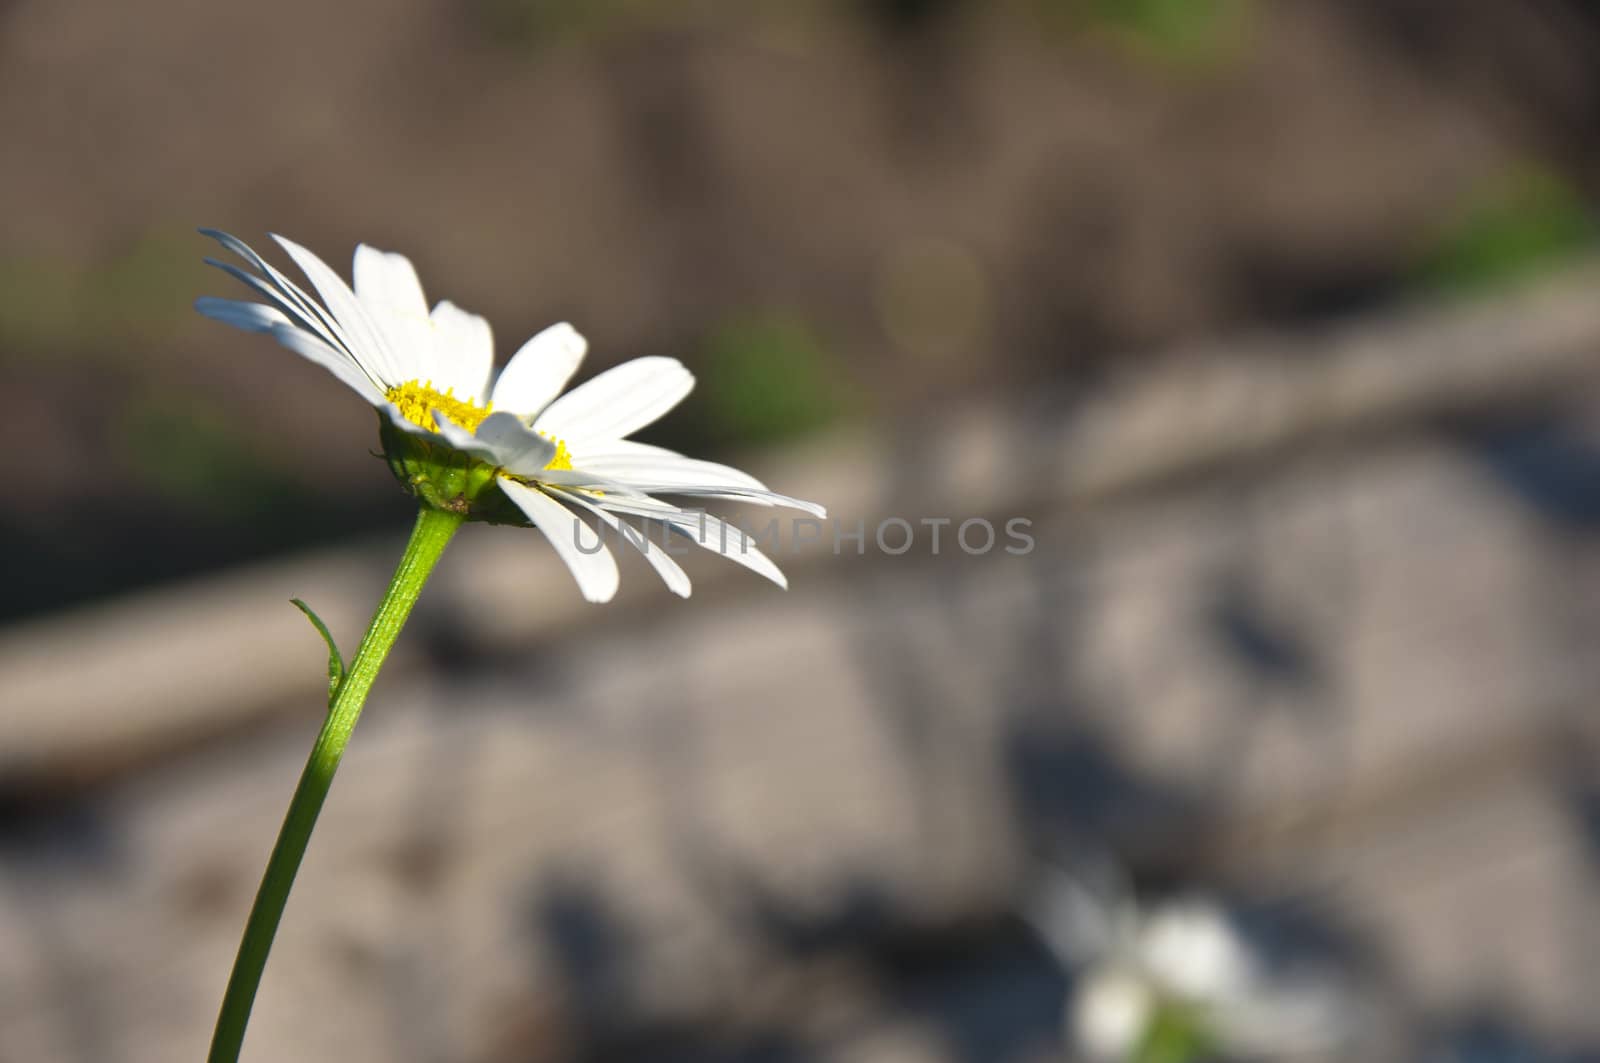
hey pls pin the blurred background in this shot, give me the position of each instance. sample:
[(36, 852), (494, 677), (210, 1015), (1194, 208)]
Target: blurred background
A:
[(1275, 319)]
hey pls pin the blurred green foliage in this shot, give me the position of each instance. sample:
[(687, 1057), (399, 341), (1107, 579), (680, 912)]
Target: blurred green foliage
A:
[(1176, 1034), (186, 451), (1177, 28), (1521, 225), (1169, 32), (768, 377), (136, 297), (1183, 33), (530, 23)]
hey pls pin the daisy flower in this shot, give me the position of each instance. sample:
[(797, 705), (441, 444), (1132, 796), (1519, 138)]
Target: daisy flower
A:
[(1186, 973), (506, 449)]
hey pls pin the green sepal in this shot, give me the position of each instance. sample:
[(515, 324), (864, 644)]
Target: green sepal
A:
[(445, 478), (436, 473), (335, 661)]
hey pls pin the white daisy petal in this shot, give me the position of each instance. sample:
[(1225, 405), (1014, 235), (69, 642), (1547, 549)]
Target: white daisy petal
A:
[(728, 494), (624, 459), (365, 341), (386, 285), (462, 439), (723, 538), (253, 317), (336, 362), (318, 323), (516, 446), (707, 531), (463, 352), (539, 370), (656, 470), (587, 481), (619, 401), (500, 440), (671, 573), (595, 572), (275, 286)]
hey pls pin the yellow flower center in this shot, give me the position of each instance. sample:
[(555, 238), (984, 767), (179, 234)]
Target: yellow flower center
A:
[(563, 458), (416, 402)]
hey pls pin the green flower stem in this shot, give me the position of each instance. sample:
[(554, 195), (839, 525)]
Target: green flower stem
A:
[(432, 533)]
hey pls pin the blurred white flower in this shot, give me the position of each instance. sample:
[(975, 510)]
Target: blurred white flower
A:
[(1187, 959), (1191, 947), (464, 440), (1111, 1010)]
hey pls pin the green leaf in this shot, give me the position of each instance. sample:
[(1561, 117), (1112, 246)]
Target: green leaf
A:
[(335, 662)]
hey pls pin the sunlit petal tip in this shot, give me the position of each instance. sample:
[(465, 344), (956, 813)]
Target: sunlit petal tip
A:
[(227, 240), (671, 573), (564, 335), (539, 369), (596, 571), (619, 401), (253, 317)]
